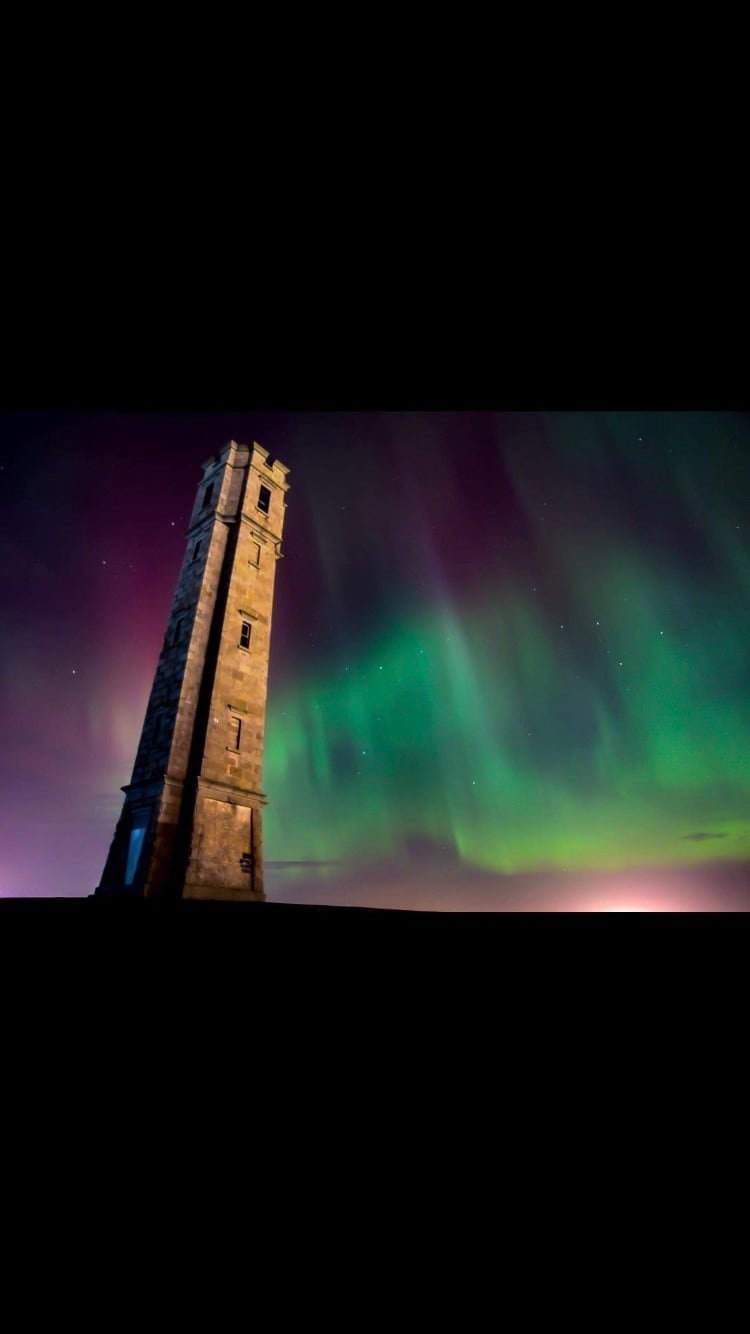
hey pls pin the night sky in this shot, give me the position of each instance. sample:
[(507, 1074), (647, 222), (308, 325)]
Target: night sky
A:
[(509, 665)]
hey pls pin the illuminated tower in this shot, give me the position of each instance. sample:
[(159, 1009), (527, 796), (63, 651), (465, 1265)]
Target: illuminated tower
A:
[(191, 823)]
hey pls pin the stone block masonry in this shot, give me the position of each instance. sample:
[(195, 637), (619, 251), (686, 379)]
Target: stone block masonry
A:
[(191, 825)]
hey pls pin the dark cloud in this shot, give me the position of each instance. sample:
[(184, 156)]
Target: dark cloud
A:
[(282, 866), (700, 838)]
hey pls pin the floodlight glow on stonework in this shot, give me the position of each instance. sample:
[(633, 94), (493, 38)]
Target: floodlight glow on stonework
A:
[(192, 819)]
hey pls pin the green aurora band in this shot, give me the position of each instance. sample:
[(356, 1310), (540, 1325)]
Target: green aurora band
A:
[(593, 716)]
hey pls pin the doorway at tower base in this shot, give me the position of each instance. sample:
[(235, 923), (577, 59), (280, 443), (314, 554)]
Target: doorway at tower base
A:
[(226, 847)]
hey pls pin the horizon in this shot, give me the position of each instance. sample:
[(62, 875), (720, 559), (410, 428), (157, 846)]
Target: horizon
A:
[(509, 657)]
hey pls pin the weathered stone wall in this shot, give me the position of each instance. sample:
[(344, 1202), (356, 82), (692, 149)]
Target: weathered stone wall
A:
[(202, 788), (234, 772)]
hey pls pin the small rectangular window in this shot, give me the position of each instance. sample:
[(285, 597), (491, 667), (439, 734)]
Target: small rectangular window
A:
[(196, 551), (264, 499), (245, 635), (135, 845), (134, 852), (236, 733), (255, 553), (207, 495)]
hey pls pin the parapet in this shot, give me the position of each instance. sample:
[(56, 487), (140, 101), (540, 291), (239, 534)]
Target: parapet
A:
[(277, 470)]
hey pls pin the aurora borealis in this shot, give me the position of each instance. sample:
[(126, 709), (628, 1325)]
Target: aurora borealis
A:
[(509, 665)]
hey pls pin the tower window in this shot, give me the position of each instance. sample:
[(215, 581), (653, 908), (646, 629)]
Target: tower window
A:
[(207, 495), (255, 553), (245, 635), (196, 551), (264, 499), (134, 852), (236, 725), (135, 845)]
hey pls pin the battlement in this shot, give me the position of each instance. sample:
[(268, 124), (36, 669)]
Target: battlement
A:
[(259, 456), (277, 470)]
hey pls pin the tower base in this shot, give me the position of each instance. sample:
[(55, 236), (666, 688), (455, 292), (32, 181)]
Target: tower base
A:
[(221, 893), (171, 843)]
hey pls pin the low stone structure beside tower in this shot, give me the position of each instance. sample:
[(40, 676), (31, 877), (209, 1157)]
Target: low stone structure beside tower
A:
[(191, 825)]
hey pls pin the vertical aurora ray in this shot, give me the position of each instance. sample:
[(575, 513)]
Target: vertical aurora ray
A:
[(504, 645), (583, 708), (472, 733)]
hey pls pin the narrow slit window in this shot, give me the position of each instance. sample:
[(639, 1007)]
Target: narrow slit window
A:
[(236, 733), (254, 553), (134, 851), (207, 495), (196, 551), (245, 635), (135, 845), (264, 499)]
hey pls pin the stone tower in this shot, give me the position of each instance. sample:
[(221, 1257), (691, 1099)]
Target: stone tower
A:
[(191, 823)]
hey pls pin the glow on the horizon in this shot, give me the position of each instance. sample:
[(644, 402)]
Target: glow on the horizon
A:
[(634, 899), (624, 908)]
